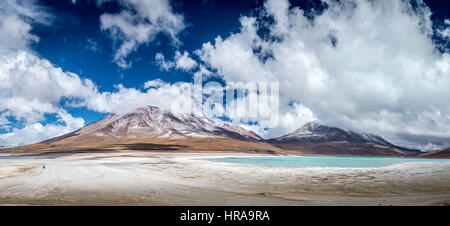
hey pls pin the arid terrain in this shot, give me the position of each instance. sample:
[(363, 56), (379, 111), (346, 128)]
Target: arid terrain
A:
[(174, 178), (154, 157), (150, 128)]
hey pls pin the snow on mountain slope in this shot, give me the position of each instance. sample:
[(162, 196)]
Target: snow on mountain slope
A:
[(314, 132), (151, 128), (316, 139), (152, 122)]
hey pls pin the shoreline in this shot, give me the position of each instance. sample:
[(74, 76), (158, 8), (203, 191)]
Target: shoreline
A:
[(187, 153)]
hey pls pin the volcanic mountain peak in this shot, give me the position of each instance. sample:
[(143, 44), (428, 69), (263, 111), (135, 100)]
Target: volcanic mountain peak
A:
[(315, 132), (308, 128), (157, 123), (314, 138), (313, 127)]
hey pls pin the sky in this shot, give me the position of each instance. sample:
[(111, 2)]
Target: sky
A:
[(378, 67)]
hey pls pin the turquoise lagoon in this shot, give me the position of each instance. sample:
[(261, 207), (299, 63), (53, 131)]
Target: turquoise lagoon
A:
[(316, 161)]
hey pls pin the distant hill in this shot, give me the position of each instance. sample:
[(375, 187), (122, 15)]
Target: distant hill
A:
[(437, 154), (313, 138)]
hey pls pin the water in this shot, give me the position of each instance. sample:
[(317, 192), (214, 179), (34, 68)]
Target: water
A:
[(315, 161)]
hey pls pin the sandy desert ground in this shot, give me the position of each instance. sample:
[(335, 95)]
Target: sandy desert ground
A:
[(164, 178)]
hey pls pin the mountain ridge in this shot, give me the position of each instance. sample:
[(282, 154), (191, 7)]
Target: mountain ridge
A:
[(444, 153), (314, 138), (151, 128), (314, 131), (153, 122)]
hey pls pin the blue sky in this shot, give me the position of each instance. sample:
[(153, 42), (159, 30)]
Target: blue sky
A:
[(85, 37), (69, 42)]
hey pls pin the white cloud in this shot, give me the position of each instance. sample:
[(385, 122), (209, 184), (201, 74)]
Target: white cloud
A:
[(444, 33), (35, 132), (363, 65), (92, 45), (139, 23), (163, 64), (181, 61), (203, 72), (157, 83), (15, 31), (30, 86), (157, 93)]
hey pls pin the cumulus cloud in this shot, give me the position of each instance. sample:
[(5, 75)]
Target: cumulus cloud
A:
[(15, 19), (35, 132), (30, 86), (163, 64), (157, 83), (181, 61), (444, 33), (174, 97), (363, 65), (139, 23)]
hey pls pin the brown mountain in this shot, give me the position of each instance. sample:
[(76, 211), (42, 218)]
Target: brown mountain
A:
[(437, 154), (151, 128), (314, 138)]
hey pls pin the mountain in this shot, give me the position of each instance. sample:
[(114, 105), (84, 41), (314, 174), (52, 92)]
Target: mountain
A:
[(437, 154), (151, 128), (314, 138), (314, 132), (156, 123)]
